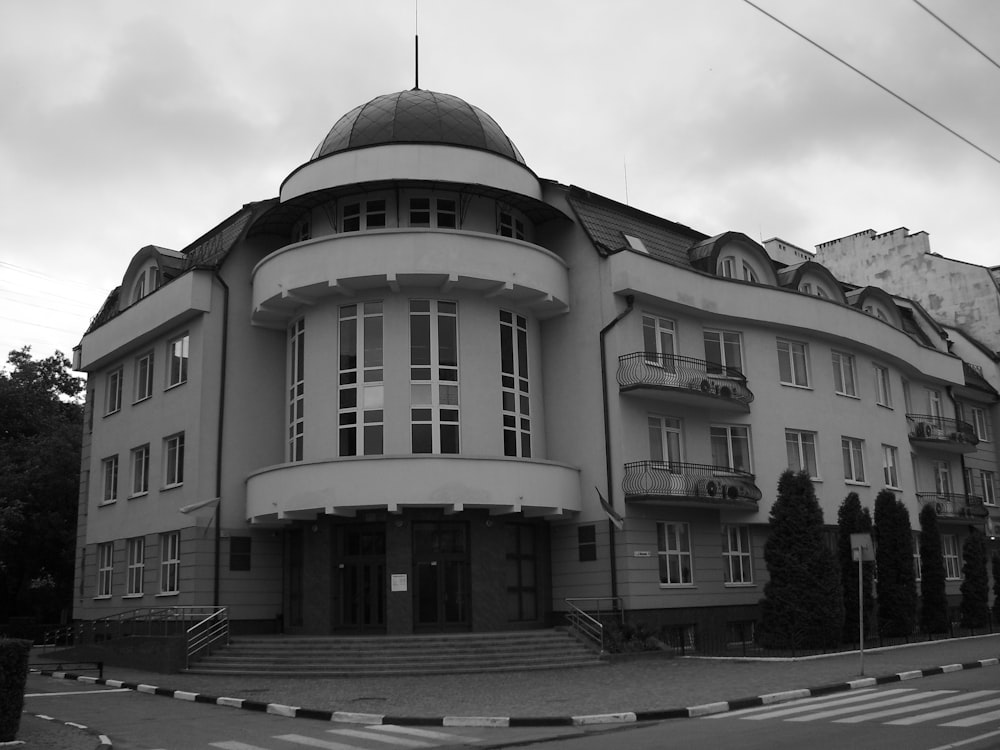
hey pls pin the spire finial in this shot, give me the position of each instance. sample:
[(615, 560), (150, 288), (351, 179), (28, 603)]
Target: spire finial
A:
[(416, 44)]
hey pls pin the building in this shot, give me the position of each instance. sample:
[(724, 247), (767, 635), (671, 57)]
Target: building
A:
[(402, 396)]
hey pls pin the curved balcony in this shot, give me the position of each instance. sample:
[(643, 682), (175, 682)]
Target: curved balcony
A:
[(677, 378), (344, 486), (941, 433), (952, 505), (517, 273), (691, 485)]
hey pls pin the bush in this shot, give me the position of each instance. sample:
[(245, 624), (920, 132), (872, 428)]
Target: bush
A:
[(975, 582), (996, 588), (852, 518), (13, 676), (933, 598), (896, 588)]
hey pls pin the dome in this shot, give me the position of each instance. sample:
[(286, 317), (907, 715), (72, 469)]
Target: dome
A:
[(417, 116)]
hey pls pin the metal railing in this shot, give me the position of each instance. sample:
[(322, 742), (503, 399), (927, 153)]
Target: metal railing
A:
[(713, 484), (206, 634), (588, 622), (941, 429), (655, 370), (953, 504)]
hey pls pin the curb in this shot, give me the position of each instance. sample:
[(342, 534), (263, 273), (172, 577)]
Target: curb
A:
[(623, 717), (103, 739)]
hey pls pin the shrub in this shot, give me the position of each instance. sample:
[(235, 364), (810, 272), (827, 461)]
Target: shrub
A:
[(896, 586), (933, 599), (852, 518), (996, 588), (975, 582), (13, 676)]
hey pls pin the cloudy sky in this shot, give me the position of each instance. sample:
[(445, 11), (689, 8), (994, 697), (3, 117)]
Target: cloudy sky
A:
[(129, 123)]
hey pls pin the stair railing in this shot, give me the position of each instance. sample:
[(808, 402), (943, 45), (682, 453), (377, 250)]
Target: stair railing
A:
[(205, 634), (588, 622)]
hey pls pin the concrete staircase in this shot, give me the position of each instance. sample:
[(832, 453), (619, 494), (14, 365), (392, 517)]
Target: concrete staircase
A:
[(350, 656)]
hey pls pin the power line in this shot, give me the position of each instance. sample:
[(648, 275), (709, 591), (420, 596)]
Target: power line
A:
[(955, 32), (868, 78)]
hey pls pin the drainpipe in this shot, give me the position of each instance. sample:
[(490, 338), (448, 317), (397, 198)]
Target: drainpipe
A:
[(629, 302), (218, 438)]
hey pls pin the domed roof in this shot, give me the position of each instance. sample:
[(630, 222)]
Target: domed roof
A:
[(417, 116)]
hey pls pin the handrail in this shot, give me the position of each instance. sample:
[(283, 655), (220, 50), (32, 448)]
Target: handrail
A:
[(585, 623), (206, 633), (935, 428), (713, 484), (657, 370)]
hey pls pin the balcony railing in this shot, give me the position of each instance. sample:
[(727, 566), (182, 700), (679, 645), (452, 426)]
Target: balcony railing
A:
[(953, 504), (703, 483), (951, 434), (671, 371)]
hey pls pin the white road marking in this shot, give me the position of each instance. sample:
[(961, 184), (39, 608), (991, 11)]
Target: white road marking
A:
[(387, 739), (944, 712), (796, 708), (923, 706), (772, 707), (425, 733), (233, 745), (916, 697), (973, 720), (301, 739)]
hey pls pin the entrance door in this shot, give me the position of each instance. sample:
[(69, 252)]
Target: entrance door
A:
[(441, 576), (361, 578)]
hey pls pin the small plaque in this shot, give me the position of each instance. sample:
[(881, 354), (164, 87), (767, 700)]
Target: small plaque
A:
[(397, 581)]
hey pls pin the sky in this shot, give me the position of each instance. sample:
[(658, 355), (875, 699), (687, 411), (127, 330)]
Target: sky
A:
[(127, 123)]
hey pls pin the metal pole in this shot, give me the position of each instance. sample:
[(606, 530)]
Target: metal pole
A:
[(861, 615)]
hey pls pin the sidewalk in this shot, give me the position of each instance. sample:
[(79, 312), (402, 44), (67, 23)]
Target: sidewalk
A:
[(635, 686)]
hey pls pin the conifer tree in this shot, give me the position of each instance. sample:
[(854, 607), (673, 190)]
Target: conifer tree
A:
[(975, 582), (852, 518), (933, 599), (896, 587), (803, 606), (996, 588)]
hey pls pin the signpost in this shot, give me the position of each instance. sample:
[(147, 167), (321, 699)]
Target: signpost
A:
[(863, 551)]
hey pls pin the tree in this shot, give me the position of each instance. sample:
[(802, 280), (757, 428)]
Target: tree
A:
[(40, 433), (996, 588), (852, 518), (975, 582), (803, 606), (896, 587), (933, 599)]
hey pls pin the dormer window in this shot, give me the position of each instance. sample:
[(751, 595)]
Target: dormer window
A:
[(147, 282), (727, 268), (749, 274)]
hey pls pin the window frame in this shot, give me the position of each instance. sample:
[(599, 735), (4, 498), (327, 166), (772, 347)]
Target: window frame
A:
[(731, 441), (890, 466), (981, 424), (739, 558), (240, 553), (515, 386), (788, 351), (178, 360), (800, 448), (586, 542), (989, 496), (295, 445), (113, 391), (170, 563), (668, 534), (844, 363), (144, 377), (436, 382), (135, 566), (951, 555), (883, 386), (658, 335), (109, 479), (139, 470), (105, 570), (728, 343), (173, 460), (853, 453)]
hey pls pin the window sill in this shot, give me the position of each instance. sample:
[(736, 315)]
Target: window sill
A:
[(104, 503), (163, 594), (140, 400), (854, 396), (166, 487), (884, 406), (102, 596), (749, 585), (855, 483), (170, 387), (675, 586), (893, 489), (137, 495), (132, 596), (796, 385)]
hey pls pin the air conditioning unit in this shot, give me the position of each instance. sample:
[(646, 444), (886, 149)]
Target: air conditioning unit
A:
[(944, 508), (718, 489), (725, 391)]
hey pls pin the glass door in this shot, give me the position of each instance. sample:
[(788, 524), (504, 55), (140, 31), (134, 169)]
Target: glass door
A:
[(361, 578), (441, 576)]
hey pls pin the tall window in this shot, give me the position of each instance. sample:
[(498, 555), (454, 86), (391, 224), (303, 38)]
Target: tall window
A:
[(361, 215), (952, 561), (173, 460), (665, 441), (434, 408), (989, 490), (144, 377), (854, 459), (723, 349), (793, 363), (509, 225), (801, 449), (890, 466), (883, 394), (514, 385), (109, 470), (361, 390), (113, 392), (239, 553), (731, 446), (296, 390), (844, 380), (749, 274), (942, 478), (674, 552), (586, 542), (981, 424), (658, 342), (105, 567), (140, 470), (177, 360), (738, 565), (136, 564), (934, 403), (170, 562), (727, 268)]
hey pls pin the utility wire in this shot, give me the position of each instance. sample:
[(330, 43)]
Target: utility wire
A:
[(868, 78), (955, 32)]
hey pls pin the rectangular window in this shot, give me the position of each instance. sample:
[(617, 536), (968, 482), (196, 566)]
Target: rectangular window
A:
[(443, 215), (658, 342), (665, 441), (105, 567), (981, 424), (854, 459), (173, 460), (917, 568), (144, 377), (364, 215), (177, 360), (793, 363), (509, 226), (434, 407), (801, 449), (883, 393), (934, 403), (239, 553), (136, 561), (723, 350), (727, 268), (113, 392), (844, 380), (586, 542), (109, 470), (952, 561), (447, 214), (989, 490), (170, 562), (731, 447), (738, 566), (674, 552), (296, 390), (942, 479), (890, 466), (140, 470), (361, 386), (514, 385)]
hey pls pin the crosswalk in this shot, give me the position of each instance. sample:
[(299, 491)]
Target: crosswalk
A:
[(897, 707), (375, 737)]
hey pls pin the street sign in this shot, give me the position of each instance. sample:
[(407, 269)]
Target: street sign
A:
[(862, 549)]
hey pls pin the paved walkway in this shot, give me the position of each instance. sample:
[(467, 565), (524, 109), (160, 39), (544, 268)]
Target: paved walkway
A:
[(650, 687)]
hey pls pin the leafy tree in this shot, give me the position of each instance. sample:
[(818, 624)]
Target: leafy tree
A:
[(803, 606), (40, 433), (896, 587), (852, 518), (975, 582), (933, 599)]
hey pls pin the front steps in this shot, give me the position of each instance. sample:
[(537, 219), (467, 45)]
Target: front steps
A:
[(351, 656)]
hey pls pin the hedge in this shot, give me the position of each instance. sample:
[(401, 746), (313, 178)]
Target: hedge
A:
[(13, 677)]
